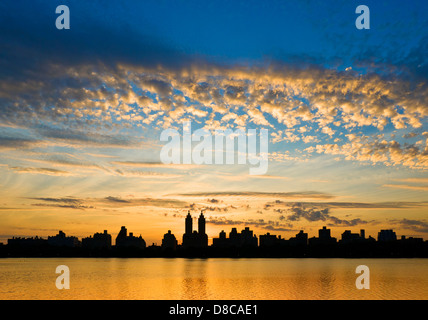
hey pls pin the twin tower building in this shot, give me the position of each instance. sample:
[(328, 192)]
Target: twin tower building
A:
[(195, 239)]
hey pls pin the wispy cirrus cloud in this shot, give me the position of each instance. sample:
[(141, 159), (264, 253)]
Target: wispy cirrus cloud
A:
[(12, 143), (418, 184), (350, 205), (46, 171), (255, 195), (107, 202), (408, 187), (413, 180), (141, 164)]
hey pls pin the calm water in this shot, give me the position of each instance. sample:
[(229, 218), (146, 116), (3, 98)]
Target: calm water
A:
[(213, 279)]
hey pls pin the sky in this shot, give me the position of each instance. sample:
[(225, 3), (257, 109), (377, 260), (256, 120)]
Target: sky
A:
[(82, 111)]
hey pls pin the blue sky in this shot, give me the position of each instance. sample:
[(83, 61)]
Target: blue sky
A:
[(82, 111), (230, 31)]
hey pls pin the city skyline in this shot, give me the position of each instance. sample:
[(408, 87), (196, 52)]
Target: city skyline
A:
[(82, 111), (236, 244), (382, 235)]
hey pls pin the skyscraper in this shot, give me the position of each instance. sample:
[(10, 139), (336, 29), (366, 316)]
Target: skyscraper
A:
[(195, 239), (189, 223), (201, 224)]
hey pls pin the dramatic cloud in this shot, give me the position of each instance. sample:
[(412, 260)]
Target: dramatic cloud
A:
[(415, 225), (98, 86), (203, 208), (277, 93), (299, 211), (378, 150), (260, 223)]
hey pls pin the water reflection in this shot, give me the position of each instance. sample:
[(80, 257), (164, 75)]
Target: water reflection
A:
[(246, 279), (194, 283)]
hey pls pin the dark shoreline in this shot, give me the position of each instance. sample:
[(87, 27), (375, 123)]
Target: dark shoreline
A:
[(375, 250)]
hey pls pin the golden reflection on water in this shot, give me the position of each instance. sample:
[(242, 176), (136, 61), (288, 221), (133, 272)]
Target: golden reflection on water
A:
[(187, 279)]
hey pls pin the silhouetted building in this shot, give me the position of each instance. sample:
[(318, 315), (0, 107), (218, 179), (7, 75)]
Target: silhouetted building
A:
[(268, 240), (221, 241), (125, 240), (301, 239), (26, 242), (169, 241), (348, 236), (98, 241), (243, 239), (324, 234), (411, 240), (61, 240), (386, 236), (189, 224), (201, 224), (195, 239), (234, 238), (324, 238), (247, 238), (242, 244)]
